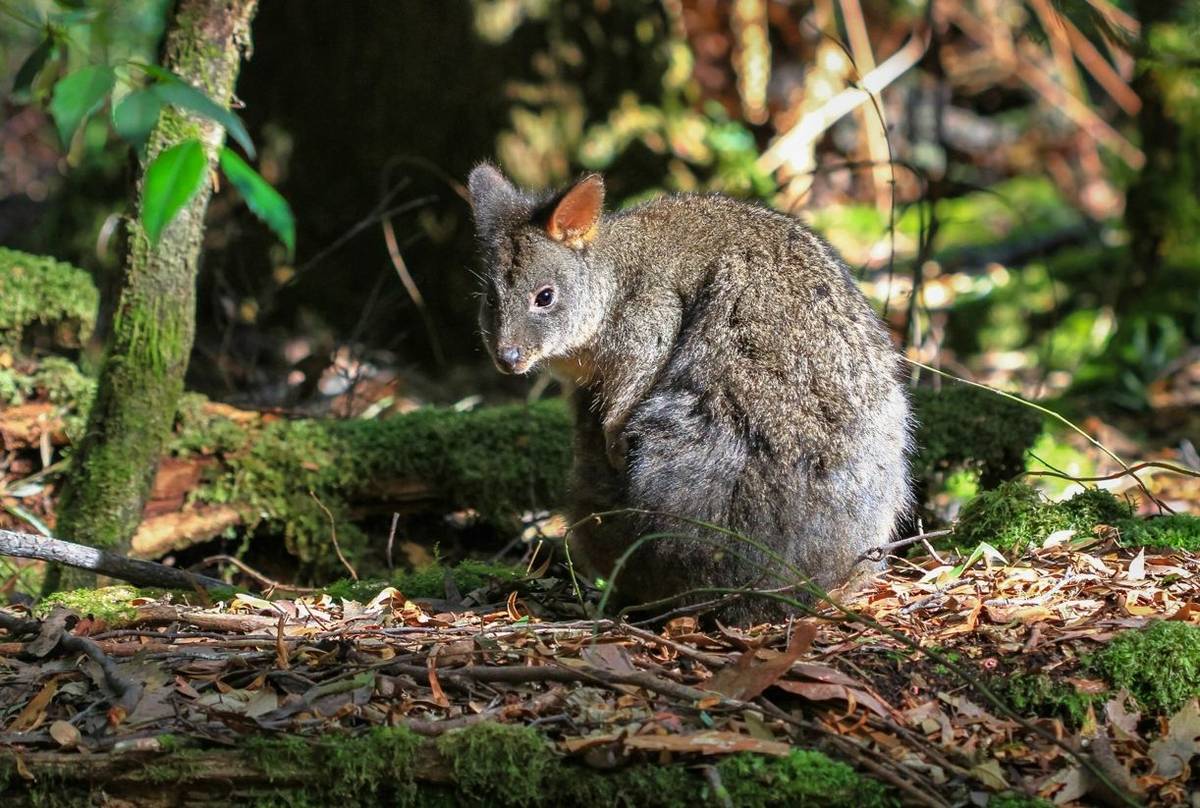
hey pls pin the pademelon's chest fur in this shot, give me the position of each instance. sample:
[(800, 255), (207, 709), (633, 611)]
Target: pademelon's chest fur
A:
[(578, 367)]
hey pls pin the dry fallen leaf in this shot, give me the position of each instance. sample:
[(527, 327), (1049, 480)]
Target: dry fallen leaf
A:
[(34, 713), (751, 674), (1172, 753)]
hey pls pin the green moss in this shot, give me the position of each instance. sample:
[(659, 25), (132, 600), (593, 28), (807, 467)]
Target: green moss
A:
[(502, 460), (468, 576), (496, 764), (965, 428), (803, 778), (1159, 664), (1175, 532), (354, 770), (637, 785), (498, 461), (40, 291), (109, 603), (57, 380), (429, 582), (1041, 695), (1015, 516), (182, 763), (201, 432)]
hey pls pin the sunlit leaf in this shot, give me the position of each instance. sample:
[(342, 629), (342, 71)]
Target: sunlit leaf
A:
[(78, 95), (266, 203), (135, 115), (172, 179), (174, 90), (32, 65)]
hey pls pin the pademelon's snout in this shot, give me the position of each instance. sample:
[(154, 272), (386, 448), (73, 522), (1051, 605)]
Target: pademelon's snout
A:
[(511, 359)]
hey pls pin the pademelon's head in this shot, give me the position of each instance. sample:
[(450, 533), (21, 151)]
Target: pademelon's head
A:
[(544, 294)]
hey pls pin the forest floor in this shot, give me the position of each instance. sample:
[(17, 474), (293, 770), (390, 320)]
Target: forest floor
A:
[(946, 678)]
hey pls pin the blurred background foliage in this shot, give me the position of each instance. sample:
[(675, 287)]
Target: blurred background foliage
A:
[(1017, 191)]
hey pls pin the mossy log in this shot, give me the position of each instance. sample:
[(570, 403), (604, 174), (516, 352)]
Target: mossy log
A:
[(487, 764), (227, 467), (154, 321)]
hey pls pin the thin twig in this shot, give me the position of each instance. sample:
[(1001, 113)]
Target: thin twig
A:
[(877, 553), (392, 540), (410, 286), (333, 536), (1116, 475), (713, 661), (268, 584)]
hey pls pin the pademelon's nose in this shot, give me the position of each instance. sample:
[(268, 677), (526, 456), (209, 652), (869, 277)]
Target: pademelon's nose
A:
[(510, 357)]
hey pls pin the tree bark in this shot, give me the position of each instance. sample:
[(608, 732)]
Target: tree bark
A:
[(154, 322)]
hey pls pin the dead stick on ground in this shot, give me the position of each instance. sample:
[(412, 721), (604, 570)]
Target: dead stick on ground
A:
[(713, 661), (877, 553), (114, 565)]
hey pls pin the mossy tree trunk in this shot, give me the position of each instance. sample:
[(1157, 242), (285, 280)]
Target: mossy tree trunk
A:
[(1161, 205), (154, 321)]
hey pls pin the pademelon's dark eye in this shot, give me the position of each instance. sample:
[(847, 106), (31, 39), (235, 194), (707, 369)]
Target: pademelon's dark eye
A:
[(544, 297)]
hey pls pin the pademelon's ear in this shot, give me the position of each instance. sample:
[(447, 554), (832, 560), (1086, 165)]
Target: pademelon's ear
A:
[(491, 192), (574, 219)]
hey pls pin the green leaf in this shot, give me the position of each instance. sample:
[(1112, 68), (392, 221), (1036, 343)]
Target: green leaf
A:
[(266, 203), (135, 115), (78, 95), (172, 179), (174, 90), (32, 65)]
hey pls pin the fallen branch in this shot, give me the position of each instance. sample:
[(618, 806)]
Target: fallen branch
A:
[(114, 565)]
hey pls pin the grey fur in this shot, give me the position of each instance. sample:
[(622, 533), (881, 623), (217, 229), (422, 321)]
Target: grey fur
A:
[(728, 370)]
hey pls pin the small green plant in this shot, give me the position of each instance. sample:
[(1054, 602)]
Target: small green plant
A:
[(1039, 694), (137, 93), (1159, 664)]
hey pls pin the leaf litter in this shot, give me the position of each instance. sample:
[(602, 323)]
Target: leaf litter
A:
[(883, 692)]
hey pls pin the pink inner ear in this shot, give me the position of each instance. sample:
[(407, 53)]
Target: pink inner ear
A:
[(578, 211)]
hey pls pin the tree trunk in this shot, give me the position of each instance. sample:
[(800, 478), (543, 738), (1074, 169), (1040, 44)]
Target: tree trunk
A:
[(154, 323)]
